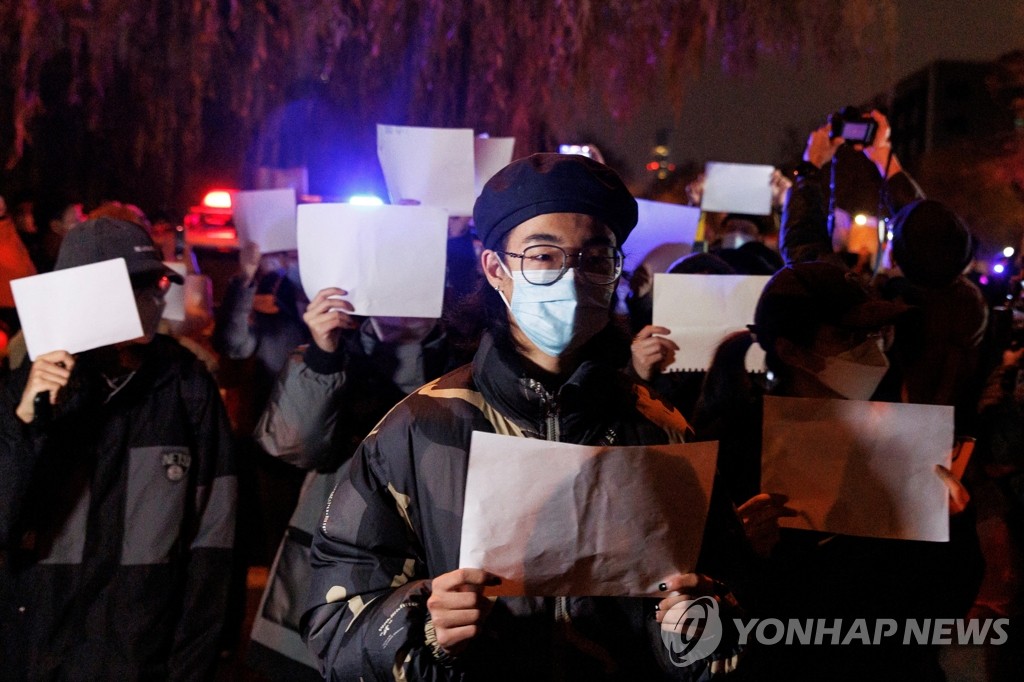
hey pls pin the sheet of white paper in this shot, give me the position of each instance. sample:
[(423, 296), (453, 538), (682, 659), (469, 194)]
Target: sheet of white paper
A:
[(492, 154), (433, 166), (737, 188), (77, 309), (560, 519), (267, 217), (859, 468), (390, 259), (701, 310), (174, 299), (659, 223)]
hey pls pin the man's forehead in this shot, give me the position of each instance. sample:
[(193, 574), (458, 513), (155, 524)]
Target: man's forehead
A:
[(558, 228)]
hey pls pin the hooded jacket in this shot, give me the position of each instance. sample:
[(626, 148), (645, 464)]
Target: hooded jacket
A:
[(394, 521), (117, 523)]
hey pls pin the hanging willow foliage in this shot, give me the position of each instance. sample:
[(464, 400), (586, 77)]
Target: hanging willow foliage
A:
[(142, 78)]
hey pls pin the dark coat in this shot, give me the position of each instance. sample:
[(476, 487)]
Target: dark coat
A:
[(117, 525)]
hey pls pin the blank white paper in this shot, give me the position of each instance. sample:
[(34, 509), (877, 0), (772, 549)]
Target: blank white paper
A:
[(174, 299), (492, 154), (432, 166), (859, 468), (77, 309), (390, 259), (560, 519), (737, 188), (267, 217), (701, 310)]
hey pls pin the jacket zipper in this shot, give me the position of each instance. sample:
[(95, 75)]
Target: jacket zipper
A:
[(552, 433)]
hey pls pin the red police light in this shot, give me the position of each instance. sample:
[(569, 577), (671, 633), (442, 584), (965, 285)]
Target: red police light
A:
[(217, 198)]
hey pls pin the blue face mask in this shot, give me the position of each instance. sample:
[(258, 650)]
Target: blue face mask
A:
[(559, 316)]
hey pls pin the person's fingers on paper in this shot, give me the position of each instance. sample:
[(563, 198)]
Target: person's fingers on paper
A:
[(684, 587), (764, 507), (326, 317), (50, 372), (959, 498), (651, 352), (760, 518), (457, 606)]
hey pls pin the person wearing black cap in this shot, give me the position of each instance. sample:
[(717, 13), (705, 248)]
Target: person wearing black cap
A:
[(387, 597), (117, 496), (823, 332)]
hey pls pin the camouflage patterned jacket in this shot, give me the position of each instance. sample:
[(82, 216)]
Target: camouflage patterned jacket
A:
[(394, 521)]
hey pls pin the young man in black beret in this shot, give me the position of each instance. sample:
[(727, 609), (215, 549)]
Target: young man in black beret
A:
[(387, 596)]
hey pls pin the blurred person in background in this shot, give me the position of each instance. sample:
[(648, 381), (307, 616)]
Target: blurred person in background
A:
[(117, 497)]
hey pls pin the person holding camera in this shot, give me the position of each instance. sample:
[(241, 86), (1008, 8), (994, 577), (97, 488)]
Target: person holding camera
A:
[(936, 347)]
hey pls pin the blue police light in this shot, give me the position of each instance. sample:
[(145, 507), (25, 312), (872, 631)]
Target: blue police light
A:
[(999, 268), (365, 200)]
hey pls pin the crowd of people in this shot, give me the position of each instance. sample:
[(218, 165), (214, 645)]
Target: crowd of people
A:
[(134, 498)]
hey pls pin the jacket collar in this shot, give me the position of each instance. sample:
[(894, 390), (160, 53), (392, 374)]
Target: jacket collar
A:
[(586, 404)]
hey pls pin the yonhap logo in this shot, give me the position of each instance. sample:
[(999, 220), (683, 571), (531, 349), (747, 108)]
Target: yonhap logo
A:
[(691, 630)]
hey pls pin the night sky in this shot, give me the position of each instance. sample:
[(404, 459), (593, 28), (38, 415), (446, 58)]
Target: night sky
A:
[(745, 118)]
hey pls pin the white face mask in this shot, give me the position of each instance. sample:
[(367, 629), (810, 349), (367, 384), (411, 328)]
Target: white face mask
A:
[(856, 373), (558, 316)]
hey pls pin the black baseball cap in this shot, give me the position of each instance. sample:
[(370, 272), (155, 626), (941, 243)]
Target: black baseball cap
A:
[(103, 239)]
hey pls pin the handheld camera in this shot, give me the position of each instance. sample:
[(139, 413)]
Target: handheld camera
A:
[(854, 126)]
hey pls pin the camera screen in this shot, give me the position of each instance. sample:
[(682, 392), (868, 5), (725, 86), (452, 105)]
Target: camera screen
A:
[(855, 131)]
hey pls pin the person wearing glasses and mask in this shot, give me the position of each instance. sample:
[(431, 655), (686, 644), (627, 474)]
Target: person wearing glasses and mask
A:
[(388, 598), (117, 496)]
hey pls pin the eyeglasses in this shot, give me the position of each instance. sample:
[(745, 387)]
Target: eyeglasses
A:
[(597, 264)]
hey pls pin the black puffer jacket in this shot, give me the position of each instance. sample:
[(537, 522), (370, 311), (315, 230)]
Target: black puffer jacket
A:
[(394, 521), (117, 524)]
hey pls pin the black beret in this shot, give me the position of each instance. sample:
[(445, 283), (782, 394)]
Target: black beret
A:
[(552, 183)]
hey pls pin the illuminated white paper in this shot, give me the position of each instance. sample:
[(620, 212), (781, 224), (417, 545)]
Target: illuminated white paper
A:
[(432, 166), (390, 259), (267, 217), (77, 309), (701, 310), (737, 188), (859, 468), (492, 154), (174, 299), (659, 223), (560, 519)]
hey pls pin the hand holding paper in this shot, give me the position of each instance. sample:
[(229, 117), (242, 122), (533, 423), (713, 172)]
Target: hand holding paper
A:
[(701, 310), (50, 373), (859, 468), (389, 259), (326, 316)]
